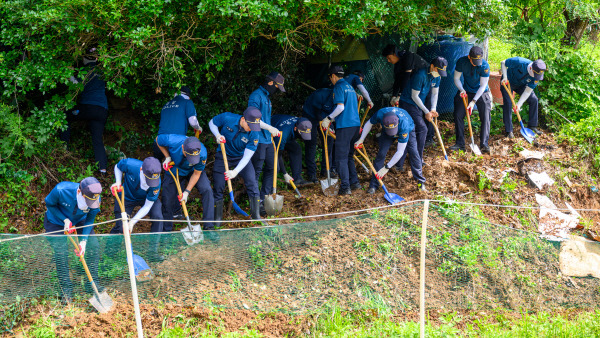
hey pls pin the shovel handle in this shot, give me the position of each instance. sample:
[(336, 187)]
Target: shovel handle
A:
[(295, 188), (325, 145), (85, 267), (275, 160), (178, 186), (359, 98), (364, 154), (437, 131), (512, 99), (362, 122), (468, 116), (226, 164)]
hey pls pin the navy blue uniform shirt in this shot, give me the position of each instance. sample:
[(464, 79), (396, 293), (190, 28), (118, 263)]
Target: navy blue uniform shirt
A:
[(61, 203), (421, 81), (174, 116), (94, 88), (174, 143), (131, 181), (517, 73), (260, 99), (472, 74), (237, 139), (344, 93), (286, 125), (405, 122), (319, 104)]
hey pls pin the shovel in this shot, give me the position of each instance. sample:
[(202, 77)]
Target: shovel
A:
[(100, 301), (473, 146), (390, 197), (437, 131), (143, 272), (330, 133), (191, 234), (527, 133), (329, 186), (235, 206), (274, 202), (295, 188), (362, 122)]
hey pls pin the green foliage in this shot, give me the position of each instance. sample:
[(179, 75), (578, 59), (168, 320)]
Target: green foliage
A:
[(585, 134)]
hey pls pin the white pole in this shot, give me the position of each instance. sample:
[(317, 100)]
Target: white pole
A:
[(422, 280), (134, 294)]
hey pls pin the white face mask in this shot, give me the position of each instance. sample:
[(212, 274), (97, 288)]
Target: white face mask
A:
[(435, 74)]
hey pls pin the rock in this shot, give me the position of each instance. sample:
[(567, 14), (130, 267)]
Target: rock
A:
[(539, 180), (579, 257)]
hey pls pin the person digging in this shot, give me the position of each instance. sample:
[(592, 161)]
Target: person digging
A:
[(292, 128)]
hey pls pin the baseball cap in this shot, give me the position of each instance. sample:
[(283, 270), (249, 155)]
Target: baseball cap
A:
[(538, 67), (278, 79), (151, 169), (476, 55), (90, 189), (441, 64), (304, 128), (186, 90), (191, 150), (389, 50), (390, 123), (252, 116), (336, 69)]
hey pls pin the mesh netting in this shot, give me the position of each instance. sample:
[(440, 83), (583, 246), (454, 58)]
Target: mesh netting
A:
[(358, 262)]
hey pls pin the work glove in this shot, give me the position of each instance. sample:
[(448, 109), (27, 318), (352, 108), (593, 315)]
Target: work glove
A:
[(358, 144), (395, 100), (199, 131), (230, 174), (220, 139), (274, 131), (470, 107), (288, 178), (183, 197), (504, 81), (115, 188), (325, 123), (381, 173), (167, 163), (429, 116), (81, 251), (463, 93), (517, 108), (370, 104), (69, 227), (132, 223)]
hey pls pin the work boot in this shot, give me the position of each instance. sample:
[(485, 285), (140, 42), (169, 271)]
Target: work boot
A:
[(255, 209), (510, 135), (456, 147), (346, 191), (302, 182), (262, 210), (334, 173), (537, 131), (421, 186), (371, 190), (485, 150), (219, 211), (355, 186), (313, 179), (429, 143)]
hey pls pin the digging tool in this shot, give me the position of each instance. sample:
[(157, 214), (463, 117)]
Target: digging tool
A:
[(390, 197), (473, 146), (359, 102), (296, 188), (362, 122), (143, 272), (197, 133), (235, 206), (101, 301), (330, 133), (437, 131), (274, 202), (329, 186), (192, 234), (527, 133)]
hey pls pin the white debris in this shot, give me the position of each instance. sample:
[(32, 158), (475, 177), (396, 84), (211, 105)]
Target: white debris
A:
[(540, 179), (527, 154), (555, 225), (579, 257)]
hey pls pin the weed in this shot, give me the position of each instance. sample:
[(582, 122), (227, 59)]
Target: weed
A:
[(484, 182)]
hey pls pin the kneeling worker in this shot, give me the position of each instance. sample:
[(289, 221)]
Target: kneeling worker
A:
[(189, 157), (397, 124), (292, 127), (240, 135)]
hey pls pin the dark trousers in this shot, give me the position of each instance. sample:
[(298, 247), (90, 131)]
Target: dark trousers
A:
[(430, 129), (507, 107), (171, 202), (311, 150), (247, 174), (294, 151), (261, 156), (267, 169), (385, 143), (96, 119), (344, 152), (484, 104), (154, 213), (62, 246), (420, 127)]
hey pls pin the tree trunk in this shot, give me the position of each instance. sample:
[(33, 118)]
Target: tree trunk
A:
[(575, 29)]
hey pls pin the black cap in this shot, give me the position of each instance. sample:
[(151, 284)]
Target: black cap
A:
[(538, 67), (336, 69), (390, 49), (278, 79), (90, 189), (390, 123), (476, 55), (186, 90), (191, 150), (304, 128), (440, 64), (151, 169), (252, 116)]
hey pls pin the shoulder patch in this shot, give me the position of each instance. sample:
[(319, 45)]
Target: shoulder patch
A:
[(487, 70), (256, 142), (155, 191), (404, 135), (536, 82)]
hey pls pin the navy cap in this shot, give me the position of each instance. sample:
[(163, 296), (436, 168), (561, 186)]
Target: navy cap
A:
[(440, 64), (538, 67), (186, 90), (336, 69), (191, 150), (278, 79), (90, 189), (252, 116), (304, 128), (390, 123), (476, 55), (151, 169)]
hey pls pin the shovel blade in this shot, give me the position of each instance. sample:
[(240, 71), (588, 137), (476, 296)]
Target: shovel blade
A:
[(102, 302), (143, 272), (330, 187), (527, 133), (192, 236), (391, 197), (236, 207), (273, 206), (475, 149)]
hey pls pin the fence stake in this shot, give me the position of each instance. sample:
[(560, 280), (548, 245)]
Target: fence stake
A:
[(134, 294), (422, 279)]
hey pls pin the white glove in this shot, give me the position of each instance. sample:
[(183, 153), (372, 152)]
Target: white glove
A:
[(504, 79), (358, 144), (199, 129), (132, 223), (394, 101), (463, 93), (274, 131), (231, 174), (220, 138), (183, 198), (69, 226), (166, 163), (470, 107), (325, 123), (370, 104), (288, 178), (116, 187), (518, 108), (81, 250), (381, 172)]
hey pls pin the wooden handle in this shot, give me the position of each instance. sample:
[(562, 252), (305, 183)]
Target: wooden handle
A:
[(325, 145), (468, 117), (359, 102), (362, 122), (226, 165), (512, 99), (85, 267), (178, 186), (364, 154), (275, 162), (437, 131)]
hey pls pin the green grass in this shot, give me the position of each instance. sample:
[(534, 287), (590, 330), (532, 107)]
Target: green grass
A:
[(498, 51)]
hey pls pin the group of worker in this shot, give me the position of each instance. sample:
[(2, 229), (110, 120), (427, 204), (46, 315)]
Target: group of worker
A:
[(248, 141)]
